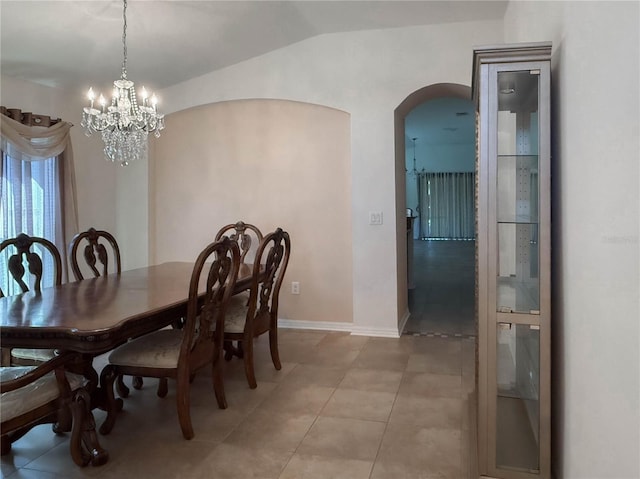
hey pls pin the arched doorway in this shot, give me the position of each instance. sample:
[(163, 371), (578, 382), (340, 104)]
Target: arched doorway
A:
[(438, 301)]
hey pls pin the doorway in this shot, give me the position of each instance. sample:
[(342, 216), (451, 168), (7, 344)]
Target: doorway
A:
[(436, 125)]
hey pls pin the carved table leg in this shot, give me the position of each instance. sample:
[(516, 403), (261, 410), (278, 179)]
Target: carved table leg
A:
[(84, 444), (112, 404)]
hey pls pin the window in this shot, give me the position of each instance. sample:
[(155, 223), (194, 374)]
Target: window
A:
[(446, 205), (29, 204)]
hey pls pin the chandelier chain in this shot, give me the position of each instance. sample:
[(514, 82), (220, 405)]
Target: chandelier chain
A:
[(124, 41)]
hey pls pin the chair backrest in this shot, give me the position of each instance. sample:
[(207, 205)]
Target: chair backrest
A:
[(212, 283), (269, 268), (246, 235), (93, 252), (24, 245)]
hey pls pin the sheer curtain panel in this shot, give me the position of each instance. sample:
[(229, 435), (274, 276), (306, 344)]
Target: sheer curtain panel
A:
[(37, 187)]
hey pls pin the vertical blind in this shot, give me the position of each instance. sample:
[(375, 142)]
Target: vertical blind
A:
[(446, 205)]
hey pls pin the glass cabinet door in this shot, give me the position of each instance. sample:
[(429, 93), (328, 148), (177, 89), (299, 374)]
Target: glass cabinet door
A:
[(518, 287)]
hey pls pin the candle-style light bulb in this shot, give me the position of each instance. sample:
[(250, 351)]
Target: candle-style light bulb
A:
[(91, 96), (154, 101), (144, 95), (103, 101)]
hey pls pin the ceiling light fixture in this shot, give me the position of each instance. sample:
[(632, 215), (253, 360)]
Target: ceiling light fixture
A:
[(124, 124), (414, 173)]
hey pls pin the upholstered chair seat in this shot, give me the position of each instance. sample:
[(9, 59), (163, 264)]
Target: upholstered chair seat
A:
[(236, 315), (38, 393), (160, 349), (35, 355)]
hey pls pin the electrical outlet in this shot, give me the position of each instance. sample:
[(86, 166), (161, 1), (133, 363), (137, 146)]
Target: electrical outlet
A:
[(375, 217), (295, 287)]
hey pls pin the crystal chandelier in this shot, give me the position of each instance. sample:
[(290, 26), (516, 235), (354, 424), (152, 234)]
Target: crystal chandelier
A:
[(124, 124)]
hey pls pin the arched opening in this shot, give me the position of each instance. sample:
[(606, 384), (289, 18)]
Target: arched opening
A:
[(417, 306)]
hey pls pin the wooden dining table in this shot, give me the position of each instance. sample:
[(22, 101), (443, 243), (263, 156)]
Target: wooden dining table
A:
[(96, 315), (93, 316)]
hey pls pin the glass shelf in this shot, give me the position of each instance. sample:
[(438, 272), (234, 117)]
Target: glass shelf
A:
[(517, 296), (518, 219)]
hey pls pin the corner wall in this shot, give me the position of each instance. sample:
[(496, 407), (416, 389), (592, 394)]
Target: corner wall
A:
[(595, 244)]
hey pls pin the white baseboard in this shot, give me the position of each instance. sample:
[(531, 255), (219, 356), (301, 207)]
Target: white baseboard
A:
[(318, 325), (339, 326), (375, 332)]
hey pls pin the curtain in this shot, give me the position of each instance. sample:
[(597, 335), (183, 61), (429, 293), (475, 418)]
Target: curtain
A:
[(446, 205), (37, 174)]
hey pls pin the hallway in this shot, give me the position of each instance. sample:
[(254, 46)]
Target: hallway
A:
[(443, 299)]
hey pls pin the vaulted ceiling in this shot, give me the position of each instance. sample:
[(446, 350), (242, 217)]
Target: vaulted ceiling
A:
[(72, 44)]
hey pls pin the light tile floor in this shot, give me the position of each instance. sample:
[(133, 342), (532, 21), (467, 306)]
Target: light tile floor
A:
[(341, 407)]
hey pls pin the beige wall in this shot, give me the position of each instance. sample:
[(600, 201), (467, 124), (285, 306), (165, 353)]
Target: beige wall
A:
[(267, 162), (596, 216)]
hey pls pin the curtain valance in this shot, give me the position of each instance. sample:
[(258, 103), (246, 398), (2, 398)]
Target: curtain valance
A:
[(34, 143)]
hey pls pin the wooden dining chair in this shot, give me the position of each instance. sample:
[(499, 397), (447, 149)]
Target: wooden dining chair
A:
[(246, 235), (94, 251), (20, 249), (100, 253), (255, 312), (179, 353), (32, 395)]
